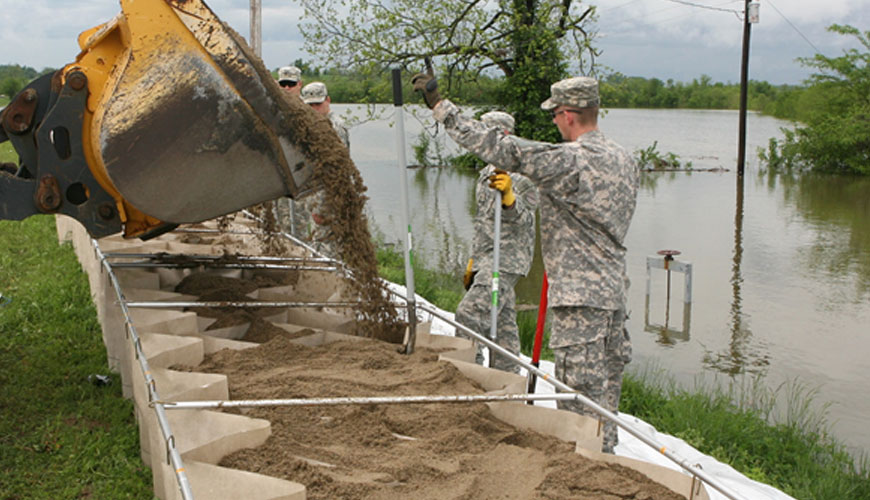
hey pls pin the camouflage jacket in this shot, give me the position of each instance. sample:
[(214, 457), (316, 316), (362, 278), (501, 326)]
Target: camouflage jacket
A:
[(340, 128), (588, 190), (517, 244)]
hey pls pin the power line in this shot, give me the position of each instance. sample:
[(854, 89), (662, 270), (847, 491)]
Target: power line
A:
[(794, 28), (618, 6), (691, 14), (708, 7)]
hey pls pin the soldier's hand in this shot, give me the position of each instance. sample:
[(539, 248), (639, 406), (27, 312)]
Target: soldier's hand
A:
[(468, 277), (502, 181), (426, 84)]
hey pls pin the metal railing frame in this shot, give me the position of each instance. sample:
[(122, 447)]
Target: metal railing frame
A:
[(161, 406)]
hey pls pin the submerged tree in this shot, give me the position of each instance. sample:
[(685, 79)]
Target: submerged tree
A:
[(836, 135), (531, 42)]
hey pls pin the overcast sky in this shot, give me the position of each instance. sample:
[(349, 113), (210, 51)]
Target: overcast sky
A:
[(666, 39)]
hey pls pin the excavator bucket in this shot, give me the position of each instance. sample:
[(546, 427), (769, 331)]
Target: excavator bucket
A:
[(173, 116), (185, 110)]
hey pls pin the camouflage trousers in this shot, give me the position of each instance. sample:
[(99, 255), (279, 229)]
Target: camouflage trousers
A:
[(592, 350), (295, 218), (475, 312)]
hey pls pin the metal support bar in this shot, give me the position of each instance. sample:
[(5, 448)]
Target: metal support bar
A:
[(654, 262), (407, 241), (145, 304), (162, 256), (222, 265), (496, 250), (386, 400), (174, 456)]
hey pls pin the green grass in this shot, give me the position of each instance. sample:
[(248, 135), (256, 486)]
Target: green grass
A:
[(7, 153), (441, 289), (61, 437), (796, 456)]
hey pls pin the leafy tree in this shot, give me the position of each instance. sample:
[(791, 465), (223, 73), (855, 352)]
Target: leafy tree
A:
[(528, 41), (10, 86), (836, 136)]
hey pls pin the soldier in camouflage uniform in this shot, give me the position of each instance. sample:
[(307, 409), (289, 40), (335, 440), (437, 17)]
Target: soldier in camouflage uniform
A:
[(588, 186), (519, 200), (290, 79), (308, 221)]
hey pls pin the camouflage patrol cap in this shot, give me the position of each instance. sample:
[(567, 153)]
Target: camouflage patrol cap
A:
[(498, 119), (314, 93), (577, 92), (289, 73)]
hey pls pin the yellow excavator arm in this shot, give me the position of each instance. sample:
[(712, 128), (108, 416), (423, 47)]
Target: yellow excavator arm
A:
[(166, 117)]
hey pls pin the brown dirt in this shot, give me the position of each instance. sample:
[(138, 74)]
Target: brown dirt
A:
[(392, 452), (336, 173), (209, 287), (345, 200)]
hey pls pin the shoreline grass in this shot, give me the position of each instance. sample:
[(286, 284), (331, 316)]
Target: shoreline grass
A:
[(61, 436)]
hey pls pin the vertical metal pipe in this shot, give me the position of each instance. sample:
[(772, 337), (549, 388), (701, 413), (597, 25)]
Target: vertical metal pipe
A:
[(406, 222), (744, 76), (496, 243), (256, 27)]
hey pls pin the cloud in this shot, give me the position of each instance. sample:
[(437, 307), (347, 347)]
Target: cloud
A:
[(666, 39), (44, 33), (653, 38)]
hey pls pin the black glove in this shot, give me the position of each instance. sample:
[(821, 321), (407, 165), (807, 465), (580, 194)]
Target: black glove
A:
[(426, 84)]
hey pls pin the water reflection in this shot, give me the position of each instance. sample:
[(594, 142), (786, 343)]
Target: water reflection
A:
[(838, 208), (739, 356), (668, 334)]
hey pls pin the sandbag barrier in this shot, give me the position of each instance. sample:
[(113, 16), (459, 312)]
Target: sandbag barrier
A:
[(180, 338)]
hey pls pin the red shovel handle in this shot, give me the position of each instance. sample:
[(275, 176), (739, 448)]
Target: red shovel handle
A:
[(542, 318)]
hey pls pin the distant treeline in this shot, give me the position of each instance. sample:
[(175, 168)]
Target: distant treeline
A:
[(617, 91), (13, 77)]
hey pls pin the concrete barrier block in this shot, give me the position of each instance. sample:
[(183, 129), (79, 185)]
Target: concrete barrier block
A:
[(164, 351), (219, 483), (164, 321)]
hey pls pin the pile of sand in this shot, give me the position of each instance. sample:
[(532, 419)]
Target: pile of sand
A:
[(401, 451), (209, 287)]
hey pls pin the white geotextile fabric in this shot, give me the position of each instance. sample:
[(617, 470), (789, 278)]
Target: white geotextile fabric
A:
[(630, 446)]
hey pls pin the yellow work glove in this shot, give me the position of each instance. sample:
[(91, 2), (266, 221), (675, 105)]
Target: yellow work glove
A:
[(468, 277), (501, 180)]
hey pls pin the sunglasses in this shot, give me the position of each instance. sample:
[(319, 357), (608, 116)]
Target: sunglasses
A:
[(287, 83), (554, 114)]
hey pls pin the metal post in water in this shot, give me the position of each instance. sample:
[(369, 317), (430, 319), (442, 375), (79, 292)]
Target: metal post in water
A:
[(744, 77), (669, 257), (256, 27), (496, 243), (406, 222)]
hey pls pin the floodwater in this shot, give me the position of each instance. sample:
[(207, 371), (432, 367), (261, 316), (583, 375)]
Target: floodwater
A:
[(780, 284)]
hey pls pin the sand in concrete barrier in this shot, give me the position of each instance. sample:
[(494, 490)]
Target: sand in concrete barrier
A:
[(504, 450)]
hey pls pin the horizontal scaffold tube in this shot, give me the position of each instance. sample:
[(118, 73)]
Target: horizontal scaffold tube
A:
[(171, 304), (385, 400)]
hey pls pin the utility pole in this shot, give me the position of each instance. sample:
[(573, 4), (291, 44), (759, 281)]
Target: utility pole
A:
[(256, 27), (750, 16)]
